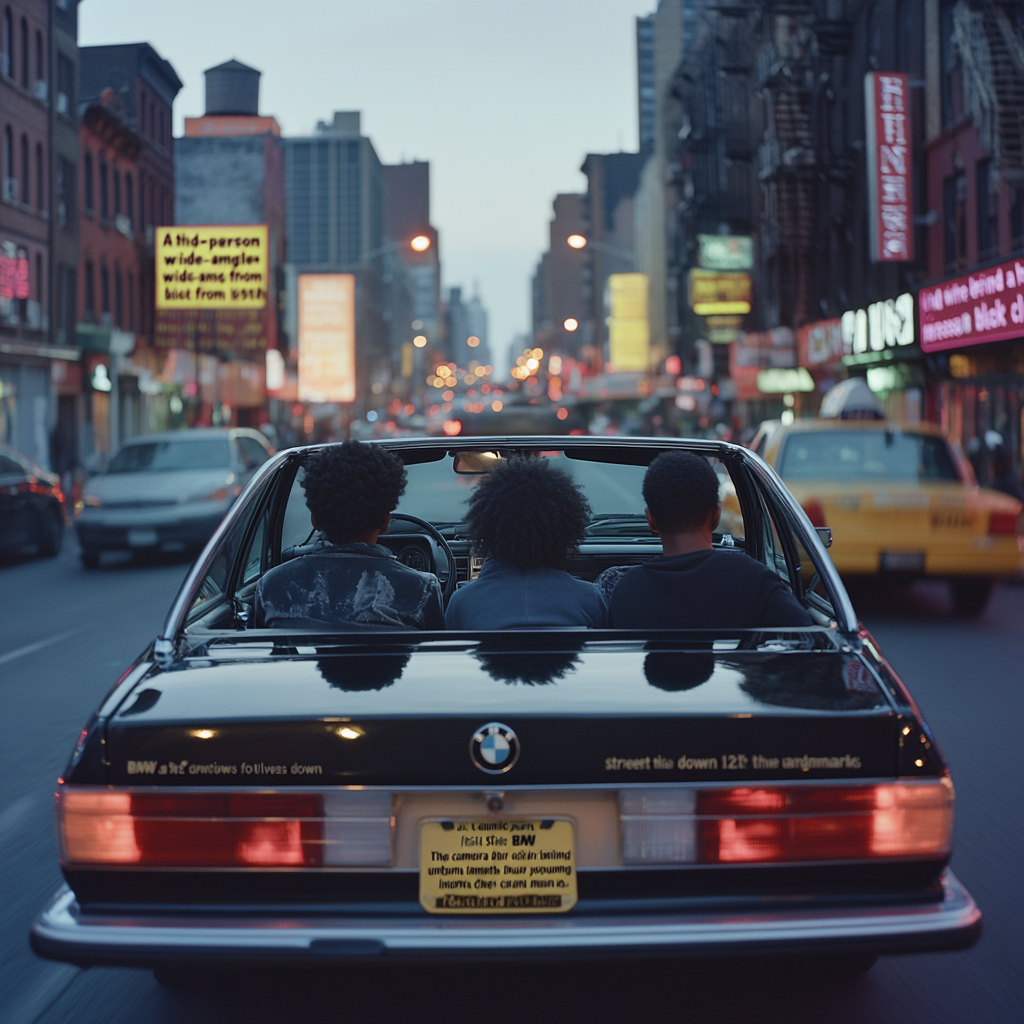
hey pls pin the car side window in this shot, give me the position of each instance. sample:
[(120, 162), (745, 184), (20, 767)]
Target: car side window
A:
[(253, 453), (296, 528), (253, 566)]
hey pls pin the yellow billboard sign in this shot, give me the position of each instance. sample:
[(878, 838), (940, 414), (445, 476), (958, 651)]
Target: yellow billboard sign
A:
[(212, 266), (716, 292), (628, 330), (327, 338)]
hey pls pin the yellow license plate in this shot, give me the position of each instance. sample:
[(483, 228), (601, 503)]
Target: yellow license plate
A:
[(497, 867)]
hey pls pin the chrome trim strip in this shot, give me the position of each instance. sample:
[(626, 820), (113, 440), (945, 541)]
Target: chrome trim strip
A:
[(63, 932)]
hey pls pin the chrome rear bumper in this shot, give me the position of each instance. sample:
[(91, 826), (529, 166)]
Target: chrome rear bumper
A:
[(63, 932)]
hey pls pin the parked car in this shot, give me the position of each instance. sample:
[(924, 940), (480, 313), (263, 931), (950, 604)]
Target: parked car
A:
[(167, 492), (901, 502), (31, 506), (314, 795)]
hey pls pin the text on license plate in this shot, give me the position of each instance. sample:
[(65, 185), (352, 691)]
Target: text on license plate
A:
[(497, 867)]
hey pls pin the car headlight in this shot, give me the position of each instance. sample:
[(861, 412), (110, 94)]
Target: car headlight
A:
[(221, 494), (91, 501)]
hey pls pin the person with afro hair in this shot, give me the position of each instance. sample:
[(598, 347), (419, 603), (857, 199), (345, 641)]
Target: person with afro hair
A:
[(692, 586), (526, 518), (349, 580)]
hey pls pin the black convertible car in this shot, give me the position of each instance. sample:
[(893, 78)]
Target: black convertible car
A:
[(252, 795)]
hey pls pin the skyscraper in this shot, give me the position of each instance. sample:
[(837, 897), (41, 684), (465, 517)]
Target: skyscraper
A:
[(646, 102)]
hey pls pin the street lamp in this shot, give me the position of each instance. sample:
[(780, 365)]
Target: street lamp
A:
[(418, 244), (421, 243), (577, 241), (582, 242)]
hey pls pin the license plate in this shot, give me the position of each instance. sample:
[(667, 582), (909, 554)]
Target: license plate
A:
[(903, 560), (497, 867), (142, 538)]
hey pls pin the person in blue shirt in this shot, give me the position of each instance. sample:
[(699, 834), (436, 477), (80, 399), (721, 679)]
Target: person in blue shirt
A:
[(526, 518)]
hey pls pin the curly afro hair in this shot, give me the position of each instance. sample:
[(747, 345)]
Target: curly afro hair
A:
[(681, 490), (527, 514), (352, 487)]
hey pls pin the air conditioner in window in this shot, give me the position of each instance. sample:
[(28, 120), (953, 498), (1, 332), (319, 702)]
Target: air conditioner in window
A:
[(40, 91), (124, 225), (10, 190), (63, 103)]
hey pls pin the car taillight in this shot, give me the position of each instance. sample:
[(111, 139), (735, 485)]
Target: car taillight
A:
[(815, 512), (773, 824), (1002, 524), (224, 828)]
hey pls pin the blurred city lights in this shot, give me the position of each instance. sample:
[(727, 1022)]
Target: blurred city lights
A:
[(563, 413), (537, 353), (420, 243), (420, 341), (442, 370), (532, 364), (497, 406), (452, 427), (570, 323), (448, 395), (555, 365), (576, 241), (472, 341)]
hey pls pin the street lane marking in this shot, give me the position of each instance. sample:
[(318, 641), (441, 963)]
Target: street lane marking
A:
[(20, 652)]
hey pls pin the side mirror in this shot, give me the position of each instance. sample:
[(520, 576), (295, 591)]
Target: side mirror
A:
[(824, 535)]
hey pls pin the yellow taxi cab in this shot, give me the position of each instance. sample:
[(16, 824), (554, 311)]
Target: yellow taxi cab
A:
[(900, 501)]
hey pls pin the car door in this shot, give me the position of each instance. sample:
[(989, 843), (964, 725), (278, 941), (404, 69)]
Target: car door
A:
[(16, 521)]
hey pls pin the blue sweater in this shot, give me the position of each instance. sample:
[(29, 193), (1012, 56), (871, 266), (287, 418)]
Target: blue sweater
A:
[(502, 597)]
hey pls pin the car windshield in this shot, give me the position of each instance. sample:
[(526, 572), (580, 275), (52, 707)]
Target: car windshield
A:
[(866, 455), (164, 456)]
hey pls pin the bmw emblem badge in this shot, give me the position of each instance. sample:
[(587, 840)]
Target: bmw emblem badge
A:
[(494, 748)]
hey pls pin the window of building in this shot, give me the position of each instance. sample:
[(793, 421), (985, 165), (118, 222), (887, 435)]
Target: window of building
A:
[(152, 118), (952, 71), (7, 55), (955, 220), (160, 137), (142, 201), (1017, 217), (40, 62), (65, 86), (116, 174), (40, 178), (988, 211), (142, 111), (129, 199), (90, 293), (130, 281), (66, 192), (67, 280), (118, 298), (105, 293), (39, 279), (8, 152), (24, 191), (24, 54), (104, 193), (87, 182)]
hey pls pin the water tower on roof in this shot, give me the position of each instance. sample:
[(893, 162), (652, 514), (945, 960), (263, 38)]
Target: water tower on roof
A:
[(232, 88)]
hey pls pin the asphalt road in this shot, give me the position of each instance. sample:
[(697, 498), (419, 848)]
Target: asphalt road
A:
[(67, 634)]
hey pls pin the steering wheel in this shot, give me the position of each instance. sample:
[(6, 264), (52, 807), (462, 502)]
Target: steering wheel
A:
[(448, 588)]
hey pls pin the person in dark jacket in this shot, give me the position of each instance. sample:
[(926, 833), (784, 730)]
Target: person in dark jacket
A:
[(526, 518), (349, 580), (693, 586)]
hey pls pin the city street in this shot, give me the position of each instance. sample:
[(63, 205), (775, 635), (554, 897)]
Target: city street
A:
[(66, 635)]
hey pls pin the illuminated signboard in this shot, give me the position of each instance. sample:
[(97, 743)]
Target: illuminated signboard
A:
[(973, 309), (820, 343), (327, 337), (784, 382), (628, 330), (725, 252), (890, 205), (882, 325), (714, 292), (222, 266)]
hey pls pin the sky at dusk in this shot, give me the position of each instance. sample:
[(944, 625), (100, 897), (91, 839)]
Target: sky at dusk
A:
[(503, 97)]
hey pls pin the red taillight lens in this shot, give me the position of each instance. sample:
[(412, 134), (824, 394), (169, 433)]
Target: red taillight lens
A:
[(224, 829), (775, 824), (815, 512), (1002, 524)]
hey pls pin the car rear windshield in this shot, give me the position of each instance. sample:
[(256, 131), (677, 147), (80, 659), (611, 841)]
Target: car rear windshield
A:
[(163, 456), (866, 455)]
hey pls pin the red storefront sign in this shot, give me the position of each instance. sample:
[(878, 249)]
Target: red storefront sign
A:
[(890, 199), (973, 309)]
